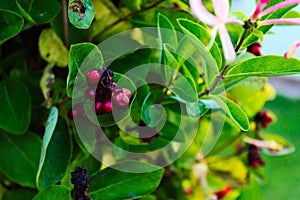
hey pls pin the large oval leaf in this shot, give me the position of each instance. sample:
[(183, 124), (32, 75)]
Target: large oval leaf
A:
[(81, 13), (19, 158), (11, 24), (82, 58), (270, 65), (19, 194), (112, 184), (56, 151), (233, 111), (54, 192), (15, 107), (38, 11)]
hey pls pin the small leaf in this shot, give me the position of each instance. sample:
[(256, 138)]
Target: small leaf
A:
[(38, 11), (81, 13), (82, 58), (285, 146), (52, 48), (54, 192), (15, 107), (56, 151), (265, 66), (233, 111), (11, 24), (20, 154), (113, 184), (196, 109)]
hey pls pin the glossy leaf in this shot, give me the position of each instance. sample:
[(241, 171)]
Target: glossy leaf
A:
[(19, 194), (15, 107), (82, 58), (286, 147), (166, 31), (20, 154), (52, 48), (81, 13), (265, 66), (233, 111), (54, 192), (195, 30), (112, 184), (56, 151), (209, 64), (38, 11), (11, 24)]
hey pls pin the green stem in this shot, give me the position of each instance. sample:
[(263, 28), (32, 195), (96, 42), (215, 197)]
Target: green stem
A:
[(126, 17), (65, 22), (241, 41)]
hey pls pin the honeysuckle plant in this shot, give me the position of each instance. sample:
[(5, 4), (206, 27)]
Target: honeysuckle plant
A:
[(137, 99)]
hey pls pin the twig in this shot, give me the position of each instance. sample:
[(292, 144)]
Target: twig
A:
[(65, 22), (126, 17)]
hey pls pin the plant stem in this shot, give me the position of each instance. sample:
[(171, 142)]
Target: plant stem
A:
[(65, 22), (238, 46), (126, 17)]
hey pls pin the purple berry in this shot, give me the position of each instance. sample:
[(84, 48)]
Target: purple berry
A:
[(90, 94), (107, 106), (98, 108)]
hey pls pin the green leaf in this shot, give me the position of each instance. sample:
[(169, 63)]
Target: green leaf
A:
[(270, 65), (233, 111), (287, 146), (56, 151), (292, 14), (15, 107), (166, 31), (11, 24), (38, 11), (152, 115), (52, 49), (200, 38), (112, 184), (172, 132), (81, 13), (19, 194), (82, 58), (54, 192), (20, 157), (198, 32)]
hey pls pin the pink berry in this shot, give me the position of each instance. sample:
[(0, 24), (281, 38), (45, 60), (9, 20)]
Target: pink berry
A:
[(107, 107), (90, 94), (98, 108), (127, 92), (93, 77), (121, 99), (72, 113)]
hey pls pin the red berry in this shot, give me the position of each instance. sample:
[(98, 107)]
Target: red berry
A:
[(107, 107), (93, 77), (220, 194), (72, 113), (90, 94), (121, 99), (255, 49), (98, 108), (188, 191)]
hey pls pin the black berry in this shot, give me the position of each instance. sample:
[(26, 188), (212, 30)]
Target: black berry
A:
[(80, 179)]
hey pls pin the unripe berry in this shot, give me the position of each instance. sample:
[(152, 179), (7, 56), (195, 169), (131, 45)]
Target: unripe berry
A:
[(93, 77), (121, 99), (90, 94), (107, 106), (127, 92)]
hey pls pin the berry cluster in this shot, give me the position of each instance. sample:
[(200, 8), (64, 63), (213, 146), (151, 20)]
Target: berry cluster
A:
[(106, 91), (253, 157), (80, 180)]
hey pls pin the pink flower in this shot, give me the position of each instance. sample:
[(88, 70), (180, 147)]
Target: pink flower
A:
[(292, 50), (259, 12), (218, 22)]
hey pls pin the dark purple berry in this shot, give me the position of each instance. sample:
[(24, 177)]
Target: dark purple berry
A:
[(263, 118), (253, 157), (80, 179), (93, 77)]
